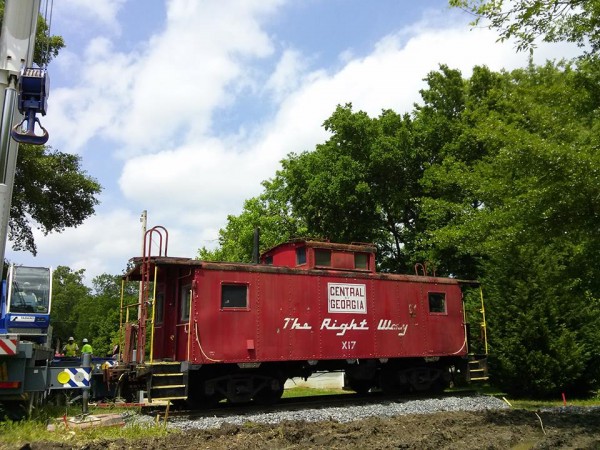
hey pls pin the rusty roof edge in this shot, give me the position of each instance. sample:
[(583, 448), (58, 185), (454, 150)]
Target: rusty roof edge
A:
[(251, 267), (354, 246)]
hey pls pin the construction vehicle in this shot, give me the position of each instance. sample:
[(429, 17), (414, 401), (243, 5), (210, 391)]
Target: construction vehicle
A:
[(25, 333), (26, 370)]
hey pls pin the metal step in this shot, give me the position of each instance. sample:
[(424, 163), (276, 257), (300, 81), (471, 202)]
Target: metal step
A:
[(477, 369), (167, 392), (167, 381)]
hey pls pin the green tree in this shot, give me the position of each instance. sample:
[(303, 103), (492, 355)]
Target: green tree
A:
[(518, 194), (102, 312), (68, 293), (553, 20), (51, 189), (270, 212), (361, 185)]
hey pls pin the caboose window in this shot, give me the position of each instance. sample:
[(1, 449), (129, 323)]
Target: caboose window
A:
[(322, 257), (361, 261), (234, 296), (437, 302), (158, 307), (300, 256), (186, 297)]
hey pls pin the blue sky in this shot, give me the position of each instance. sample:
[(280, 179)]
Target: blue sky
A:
[(183, 107)]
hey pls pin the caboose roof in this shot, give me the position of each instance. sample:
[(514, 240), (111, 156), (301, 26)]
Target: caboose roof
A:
[(134, 274)]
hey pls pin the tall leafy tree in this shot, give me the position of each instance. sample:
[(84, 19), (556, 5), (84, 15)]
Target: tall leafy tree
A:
[(52, 189), (68, 293), (270, 212), (552, 20), (517, 193), (361, 185)]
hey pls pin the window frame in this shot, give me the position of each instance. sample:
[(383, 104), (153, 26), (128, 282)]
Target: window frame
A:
[(300, 251), (367, 260), (159, 308), (431, 296), (246, 287), (185, 298), (322, 251)]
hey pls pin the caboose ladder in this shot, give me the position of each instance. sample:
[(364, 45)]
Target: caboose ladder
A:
[(148, 278), (478, 368)]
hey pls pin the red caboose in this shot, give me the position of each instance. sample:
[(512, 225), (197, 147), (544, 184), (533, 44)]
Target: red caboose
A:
[(238, 331)]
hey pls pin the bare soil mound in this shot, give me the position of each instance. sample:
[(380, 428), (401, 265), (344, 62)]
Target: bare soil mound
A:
[(506, 429)]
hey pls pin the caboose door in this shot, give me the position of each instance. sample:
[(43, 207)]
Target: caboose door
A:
[(182, 332)]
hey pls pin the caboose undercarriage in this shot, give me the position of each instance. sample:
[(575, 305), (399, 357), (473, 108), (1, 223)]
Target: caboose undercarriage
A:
[(263, 383)]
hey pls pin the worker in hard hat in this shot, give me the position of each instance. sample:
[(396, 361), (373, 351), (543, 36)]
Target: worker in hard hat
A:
[(87, 348), (70, 348)]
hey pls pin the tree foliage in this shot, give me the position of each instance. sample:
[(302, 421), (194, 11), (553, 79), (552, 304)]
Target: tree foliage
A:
[(361, 185), (68, 292), (51, 189), (553, 20), (518, 191), (82, 312), (270, 212)]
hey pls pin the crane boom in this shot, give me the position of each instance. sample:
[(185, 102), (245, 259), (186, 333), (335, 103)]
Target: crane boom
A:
[(17, 42)]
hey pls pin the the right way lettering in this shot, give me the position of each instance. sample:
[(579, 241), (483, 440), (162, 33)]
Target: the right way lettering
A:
[(386, 324)]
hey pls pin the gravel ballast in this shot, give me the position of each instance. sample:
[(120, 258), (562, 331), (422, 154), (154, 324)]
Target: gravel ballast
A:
[(347, 413)]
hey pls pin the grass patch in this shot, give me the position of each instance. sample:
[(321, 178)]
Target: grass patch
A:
[(19, 433), (302, 391), (534, 404), (537, 404)]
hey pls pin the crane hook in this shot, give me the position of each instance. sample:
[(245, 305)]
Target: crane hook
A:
[(33, 92)]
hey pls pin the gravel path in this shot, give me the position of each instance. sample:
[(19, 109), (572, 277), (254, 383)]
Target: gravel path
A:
[(345, 414)]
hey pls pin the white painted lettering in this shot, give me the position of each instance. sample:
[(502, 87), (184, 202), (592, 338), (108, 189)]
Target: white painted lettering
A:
[(387, 324), (293, 323)]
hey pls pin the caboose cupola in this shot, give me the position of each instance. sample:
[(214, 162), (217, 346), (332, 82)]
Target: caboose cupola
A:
[(308, 254)]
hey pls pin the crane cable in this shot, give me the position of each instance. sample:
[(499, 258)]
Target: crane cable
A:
[(48, 20)]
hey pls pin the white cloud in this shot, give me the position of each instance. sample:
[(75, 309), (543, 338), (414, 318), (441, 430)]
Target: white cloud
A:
[(76, 11), (286, 76), (170, 89), (98, 246)]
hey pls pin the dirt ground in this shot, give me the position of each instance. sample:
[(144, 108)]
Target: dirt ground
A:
[(506, 429)]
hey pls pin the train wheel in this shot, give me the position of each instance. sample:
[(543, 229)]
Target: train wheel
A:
[(439, 386), (268, 395), (390, 384), (421, 379), (360, 386)]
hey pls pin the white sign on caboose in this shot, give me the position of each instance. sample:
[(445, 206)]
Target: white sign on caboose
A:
[(346, 298)]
